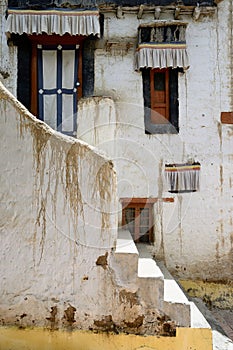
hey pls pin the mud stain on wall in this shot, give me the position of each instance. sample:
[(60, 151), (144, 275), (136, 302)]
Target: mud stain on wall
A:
[(73, 192), (127, 297), (69, 315), (52, 318), (102, 261), (104, 182)]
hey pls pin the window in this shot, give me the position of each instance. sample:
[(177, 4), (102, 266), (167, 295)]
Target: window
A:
[(160, 90), (56, 80), (138, 219), (160, 55), (29, 75)]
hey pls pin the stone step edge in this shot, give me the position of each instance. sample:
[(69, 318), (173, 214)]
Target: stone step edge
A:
[(147, 268), (197, 320), (125, 243), (173, 293)]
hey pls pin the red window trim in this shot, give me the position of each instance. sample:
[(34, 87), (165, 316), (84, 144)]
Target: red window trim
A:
[(142, 203), (150, 200)]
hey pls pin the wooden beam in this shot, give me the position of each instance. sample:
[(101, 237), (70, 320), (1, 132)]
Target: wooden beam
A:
[(119, 12), (157, 12), (227, 117), (150, 200), (140, 11), (196, 13), (177, 12)]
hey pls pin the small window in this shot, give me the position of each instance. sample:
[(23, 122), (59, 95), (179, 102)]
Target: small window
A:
[(137, 218), (160, 90)]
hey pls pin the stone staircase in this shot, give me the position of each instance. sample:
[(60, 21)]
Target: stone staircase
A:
[(155, 286)]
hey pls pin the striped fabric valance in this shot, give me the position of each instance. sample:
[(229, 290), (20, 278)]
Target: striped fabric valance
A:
[(81, 22), (161, 44), (161, 56), (183, 177)]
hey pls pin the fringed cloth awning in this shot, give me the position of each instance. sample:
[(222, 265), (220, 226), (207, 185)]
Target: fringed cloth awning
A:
[(161, 56), (183, 177), (162, 44), (82, 22)]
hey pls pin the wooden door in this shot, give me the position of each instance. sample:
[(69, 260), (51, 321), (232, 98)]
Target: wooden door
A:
[(159, 86)]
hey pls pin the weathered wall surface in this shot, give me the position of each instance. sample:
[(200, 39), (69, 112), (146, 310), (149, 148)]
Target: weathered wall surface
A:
[(193, 234), (59, 264), (58, 224)]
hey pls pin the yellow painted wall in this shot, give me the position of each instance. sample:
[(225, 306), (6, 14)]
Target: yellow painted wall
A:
[(213, 294), (38, 339)]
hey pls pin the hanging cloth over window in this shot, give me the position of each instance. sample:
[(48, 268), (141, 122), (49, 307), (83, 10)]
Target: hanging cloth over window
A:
[(81, 22), (183, 177), (161, 45)]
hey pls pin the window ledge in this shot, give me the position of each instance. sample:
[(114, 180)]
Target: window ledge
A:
[(161, 129)]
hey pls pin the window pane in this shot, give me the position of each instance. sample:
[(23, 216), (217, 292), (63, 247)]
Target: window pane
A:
[(159, 81), (129, 214), (49, 59), (67, 113), (144, 221), (68, 63), (144, 212), (50, 110), (130, 219), (144, 225)]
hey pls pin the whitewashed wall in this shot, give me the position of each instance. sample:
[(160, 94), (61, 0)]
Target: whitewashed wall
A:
[(193, 234), (58, 222), (61, 265)]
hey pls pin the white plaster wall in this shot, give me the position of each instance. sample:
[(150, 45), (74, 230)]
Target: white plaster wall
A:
[(58, 216), (194, 233), (59, 264), (200, 222)]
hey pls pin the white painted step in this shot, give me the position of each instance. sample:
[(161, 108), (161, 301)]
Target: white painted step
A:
[(125, 243), (176, 304), (126, 259), (197, 319), (147, 268), (151, 283), (173, 292)]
